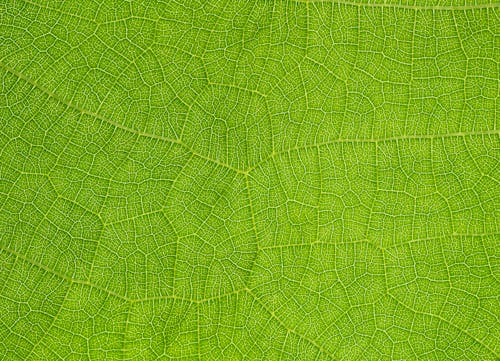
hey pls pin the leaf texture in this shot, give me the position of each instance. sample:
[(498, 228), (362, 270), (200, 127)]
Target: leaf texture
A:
[(249, 180)]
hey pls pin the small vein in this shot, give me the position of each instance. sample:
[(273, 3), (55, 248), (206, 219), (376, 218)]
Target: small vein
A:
[(371, 140), (63, 276), (473, 338), (188, 300), (292, 331), (403, 6), (78, 108)]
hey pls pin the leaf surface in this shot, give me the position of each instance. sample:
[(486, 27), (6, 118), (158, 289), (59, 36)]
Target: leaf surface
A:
[(258, 180)]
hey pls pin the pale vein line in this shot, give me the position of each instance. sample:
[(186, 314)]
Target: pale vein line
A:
[(254, 227), (444, 320), (63, 276), (189, 300), (218, 162), (71, 280), (76, 107), (403, 6), (372, 141), (333, 2), (282, 324)]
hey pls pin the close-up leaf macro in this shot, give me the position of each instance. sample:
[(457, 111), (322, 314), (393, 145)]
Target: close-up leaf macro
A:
[(249, 180)]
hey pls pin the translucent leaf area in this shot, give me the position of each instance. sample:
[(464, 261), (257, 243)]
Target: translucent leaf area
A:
[(249, 180)]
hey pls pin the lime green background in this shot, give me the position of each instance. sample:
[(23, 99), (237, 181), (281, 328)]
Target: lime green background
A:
[(259, 180)]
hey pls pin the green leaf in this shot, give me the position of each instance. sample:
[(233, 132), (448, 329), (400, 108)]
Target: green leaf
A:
[(257, 180)]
